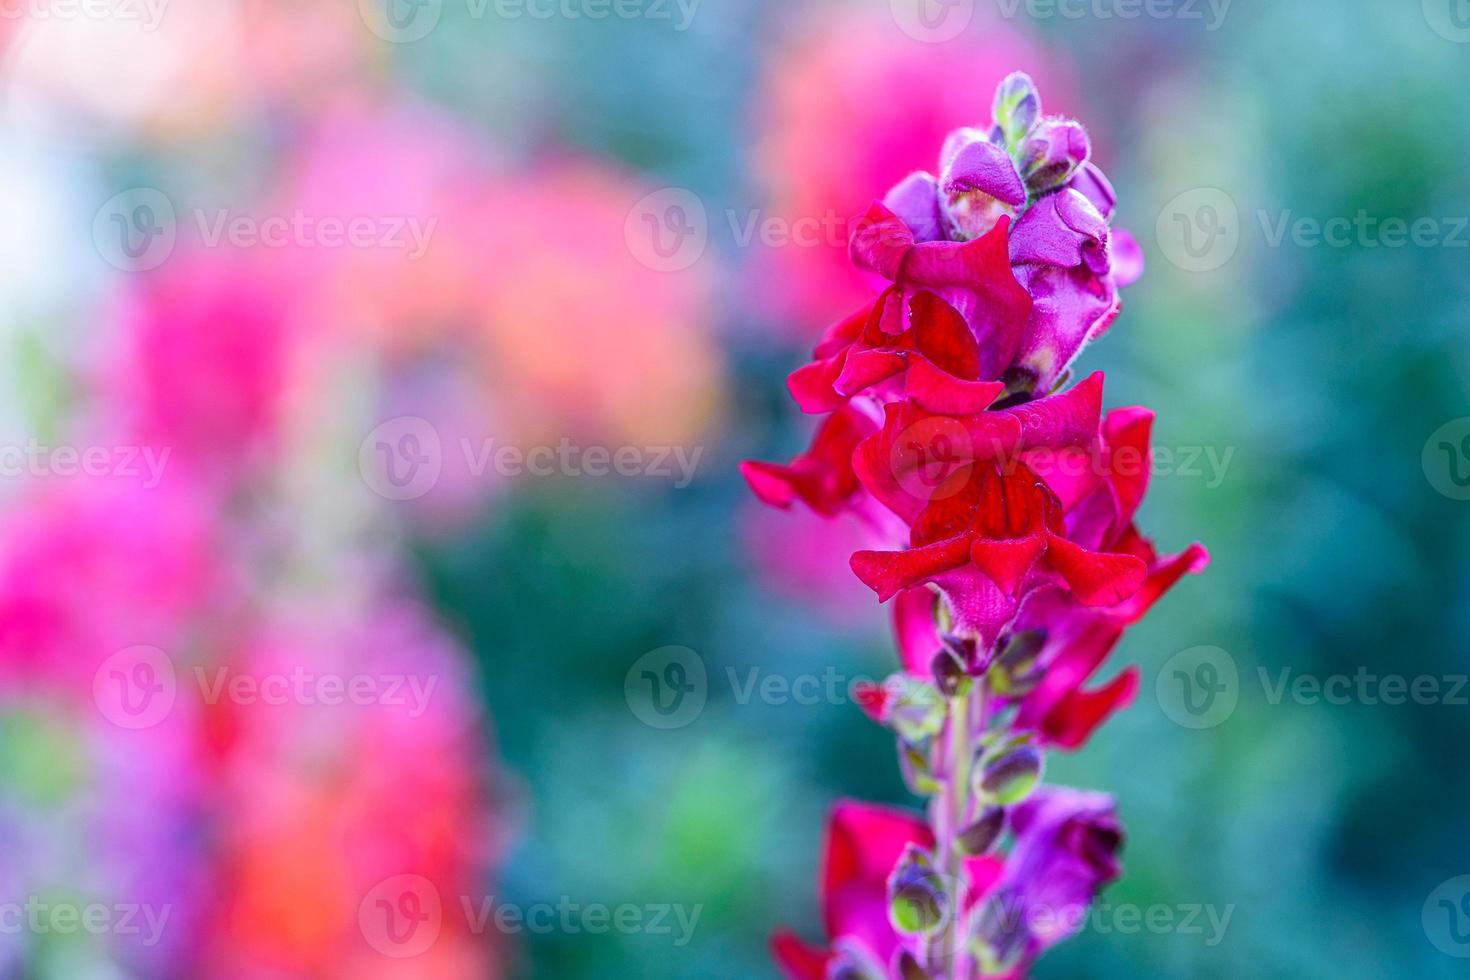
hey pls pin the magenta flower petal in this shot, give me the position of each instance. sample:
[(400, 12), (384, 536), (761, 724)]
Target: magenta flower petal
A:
[(915, 200), (980, 185)]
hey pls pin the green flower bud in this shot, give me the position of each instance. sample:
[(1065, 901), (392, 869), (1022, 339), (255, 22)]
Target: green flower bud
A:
[(917, 709), (1006, 772), (918, 902), (1014, 673), (1015, 111), (913, 763)]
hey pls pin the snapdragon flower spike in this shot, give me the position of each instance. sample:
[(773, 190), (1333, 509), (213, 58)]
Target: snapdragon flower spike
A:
[(1003, 511)]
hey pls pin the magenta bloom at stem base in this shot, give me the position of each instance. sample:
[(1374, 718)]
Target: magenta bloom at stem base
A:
[(1065, 851), (1002, 507)]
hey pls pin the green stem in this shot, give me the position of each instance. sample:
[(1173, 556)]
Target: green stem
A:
[(951, 807)]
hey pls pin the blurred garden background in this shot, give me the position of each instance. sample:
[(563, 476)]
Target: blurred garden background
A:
[(375, 375)]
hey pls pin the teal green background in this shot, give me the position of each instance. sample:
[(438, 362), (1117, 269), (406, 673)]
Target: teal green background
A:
[(1322, 828)]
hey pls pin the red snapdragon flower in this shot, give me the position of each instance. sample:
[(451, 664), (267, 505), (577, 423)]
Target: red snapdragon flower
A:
[(984, 526), (933, 360), (1101, 489)]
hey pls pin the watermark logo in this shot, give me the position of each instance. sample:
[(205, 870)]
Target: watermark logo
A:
[(1446, 459), (136, 230), (667, 230), (667, 688), (932, 21), (401, 21), (1210, 13), (135, 688), (402, 458), (405, 233), (1199, 230), (930, 457), (401, 916), (1199, 687), (1450, 19), (1446, 917)]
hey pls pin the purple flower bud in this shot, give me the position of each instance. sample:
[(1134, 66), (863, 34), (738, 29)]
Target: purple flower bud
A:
[(949, 673), (1051, 154), (978, 185), (981, 834), (913, 764), (1016, 109), (915, 199), (1008, 771), (998, 936), (1062, 230), (1015, 671)]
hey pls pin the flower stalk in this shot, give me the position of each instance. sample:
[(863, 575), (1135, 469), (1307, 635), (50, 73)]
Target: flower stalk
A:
[(949, 958), (1003, 535)]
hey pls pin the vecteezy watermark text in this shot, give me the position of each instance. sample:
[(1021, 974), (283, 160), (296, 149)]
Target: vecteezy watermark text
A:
[(301, 686), (137, 687), (38, 917), (571, 918), (1201, 229), (148, 13), (409, 234), (1211, 13), (1201, 687), (1008, 914), (402, 916), (407, 21), (138, 230), (36, 459), (404, 459)]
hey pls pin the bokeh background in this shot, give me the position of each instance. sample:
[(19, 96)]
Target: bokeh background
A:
[(301, 298)]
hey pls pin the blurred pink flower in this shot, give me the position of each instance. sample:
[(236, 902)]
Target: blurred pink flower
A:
[(91, 566), (94, 805), (321, 802), (849, 108), (203, 361), (412, 176), (579, 332), (529, 270)]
